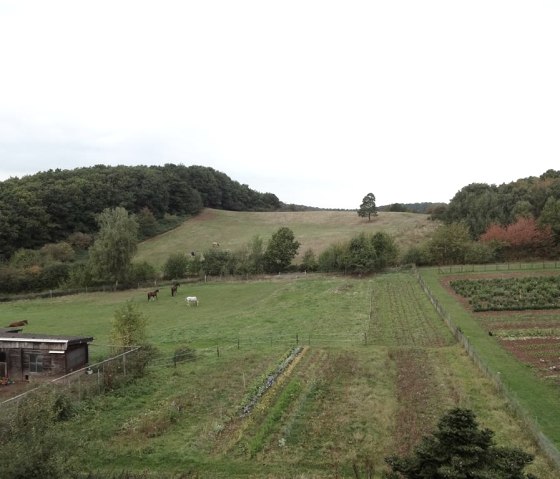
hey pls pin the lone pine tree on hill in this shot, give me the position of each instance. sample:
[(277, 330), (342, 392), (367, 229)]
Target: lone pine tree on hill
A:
[(368, 207)]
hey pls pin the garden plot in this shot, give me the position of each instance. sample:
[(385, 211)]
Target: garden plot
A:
[(522, 313), (541, 353), (533, 337), (510, 293)]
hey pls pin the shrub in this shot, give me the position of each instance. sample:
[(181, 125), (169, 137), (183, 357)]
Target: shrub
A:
[(184, 354), (54, 274), (61, 252), (25, 258), (418, 255), (33, 447), (176, 266), (218, 262), (80, 241), (80, 275), (137, 362), (333, 258), (143, 272), (449, 244), (309, 262), (480, 253), (129, 326)]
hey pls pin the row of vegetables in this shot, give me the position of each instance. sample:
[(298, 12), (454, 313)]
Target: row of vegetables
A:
[(510, 294), (267, 381)]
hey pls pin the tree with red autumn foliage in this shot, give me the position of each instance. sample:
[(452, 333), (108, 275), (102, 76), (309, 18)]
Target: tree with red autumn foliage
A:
[(522, 238)]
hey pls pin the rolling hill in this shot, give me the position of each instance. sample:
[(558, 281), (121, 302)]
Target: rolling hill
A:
[(315, 230)]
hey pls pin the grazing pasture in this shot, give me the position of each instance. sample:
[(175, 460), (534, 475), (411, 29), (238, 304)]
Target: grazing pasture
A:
[(313, 229), (377, 368)]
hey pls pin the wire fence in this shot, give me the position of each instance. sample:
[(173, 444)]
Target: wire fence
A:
[(287, 339), (103, 288), (482, 268), (103, 375), (78, 385), (148, 285), (544, 443)]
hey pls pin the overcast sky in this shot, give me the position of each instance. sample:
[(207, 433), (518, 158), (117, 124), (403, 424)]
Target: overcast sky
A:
[(318, 102)]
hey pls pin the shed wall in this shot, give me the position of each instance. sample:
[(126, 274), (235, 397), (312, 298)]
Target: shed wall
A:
[(76, 357), (22, 362)]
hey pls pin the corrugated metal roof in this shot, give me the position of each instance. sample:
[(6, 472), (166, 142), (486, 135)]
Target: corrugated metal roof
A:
[(44, 338), (10, 330)]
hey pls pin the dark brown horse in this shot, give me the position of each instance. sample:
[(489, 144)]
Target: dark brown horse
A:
[(174, 289), (18, 323), (152, 294)]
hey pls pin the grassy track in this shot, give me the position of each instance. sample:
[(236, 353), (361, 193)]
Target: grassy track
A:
[(344, 401), (313, 229)]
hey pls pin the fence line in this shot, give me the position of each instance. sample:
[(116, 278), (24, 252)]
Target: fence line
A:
[(156, 283), (481, 268), (81, 382), (545, 444), (103, 288), (85, 382)]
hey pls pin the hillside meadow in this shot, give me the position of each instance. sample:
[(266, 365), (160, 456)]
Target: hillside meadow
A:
[(315, 230), (377, 368)]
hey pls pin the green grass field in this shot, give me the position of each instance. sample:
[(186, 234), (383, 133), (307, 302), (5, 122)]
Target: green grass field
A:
[(313, 229), (378, 369)]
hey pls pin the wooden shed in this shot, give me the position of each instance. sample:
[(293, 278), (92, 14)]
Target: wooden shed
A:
[(27, 355)]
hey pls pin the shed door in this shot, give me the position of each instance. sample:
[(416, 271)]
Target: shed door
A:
[(76, 358), (3, 365)]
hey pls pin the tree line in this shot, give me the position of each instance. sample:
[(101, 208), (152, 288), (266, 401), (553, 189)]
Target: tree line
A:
[(108, 258), (50, 206), (480, 206), (482, 224)]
